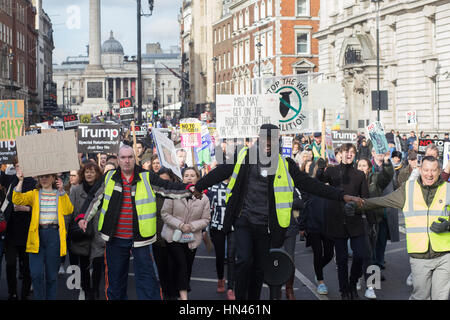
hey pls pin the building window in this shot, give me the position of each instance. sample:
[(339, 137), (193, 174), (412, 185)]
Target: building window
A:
[(247, 51), (241, 53), (302, 43), (241, 20), (229, 30), (263, 9), (247, 17), (256, 12), (302, 7), (235, 26), (269, 8), (269, 44)]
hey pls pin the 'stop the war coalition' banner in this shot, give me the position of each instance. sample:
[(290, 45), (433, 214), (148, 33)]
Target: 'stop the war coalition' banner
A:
[(11, 119)]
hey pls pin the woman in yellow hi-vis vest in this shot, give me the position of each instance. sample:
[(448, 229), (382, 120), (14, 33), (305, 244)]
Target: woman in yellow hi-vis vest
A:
[(424, 203), (259, 203)]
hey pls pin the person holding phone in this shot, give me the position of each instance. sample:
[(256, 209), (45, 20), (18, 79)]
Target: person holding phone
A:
[(46, 241)]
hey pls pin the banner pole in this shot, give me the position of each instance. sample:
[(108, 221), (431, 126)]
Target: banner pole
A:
[(133, 129), (322, 144)]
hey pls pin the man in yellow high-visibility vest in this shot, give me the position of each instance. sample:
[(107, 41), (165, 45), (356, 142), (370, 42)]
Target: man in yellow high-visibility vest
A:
[(259, 203), (425, 204)]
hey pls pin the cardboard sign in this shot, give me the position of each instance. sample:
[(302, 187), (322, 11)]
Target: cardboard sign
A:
[(241, 116), (48, 153), (166, 152), (71, 121), (11, 119), (93, 138), (126, 110), (376, 134), (423, 143)]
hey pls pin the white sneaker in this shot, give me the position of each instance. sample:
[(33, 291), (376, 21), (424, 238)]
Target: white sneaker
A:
[(81, 296), (409, 280), (61, 270), (370, 293)]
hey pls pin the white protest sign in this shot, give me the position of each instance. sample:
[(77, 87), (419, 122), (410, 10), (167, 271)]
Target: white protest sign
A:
[(411, 117), (166, 152), (446, 156), (48, 153), (286, 146), (241, 116)]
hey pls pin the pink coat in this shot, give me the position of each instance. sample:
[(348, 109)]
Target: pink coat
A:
[(195, 212)]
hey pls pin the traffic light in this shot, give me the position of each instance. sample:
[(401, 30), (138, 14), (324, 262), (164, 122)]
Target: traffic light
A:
[(155, 108)]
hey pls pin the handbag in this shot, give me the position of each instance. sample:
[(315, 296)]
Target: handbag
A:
[(77, 234)]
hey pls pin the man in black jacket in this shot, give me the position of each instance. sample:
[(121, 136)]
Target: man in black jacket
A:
[(341, 227), (251, 209)]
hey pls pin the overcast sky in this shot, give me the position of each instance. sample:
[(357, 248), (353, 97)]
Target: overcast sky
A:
[(71, 31)]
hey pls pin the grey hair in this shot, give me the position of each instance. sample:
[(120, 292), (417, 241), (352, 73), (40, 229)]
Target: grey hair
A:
[(125, 146)]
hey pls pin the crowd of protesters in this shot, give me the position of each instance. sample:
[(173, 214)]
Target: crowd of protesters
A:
[(129, 203)]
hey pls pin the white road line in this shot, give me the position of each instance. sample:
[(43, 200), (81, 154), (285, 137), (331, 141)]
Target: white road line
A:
[(300, 276), (205, 257)]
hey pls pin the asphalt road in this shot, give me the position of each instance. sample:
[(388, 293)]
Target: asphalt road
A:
[(204, 279)]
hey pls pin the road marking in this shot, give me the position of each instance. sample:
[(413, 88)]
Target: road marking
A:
[(395, 250), (309, 285), (402, 229)]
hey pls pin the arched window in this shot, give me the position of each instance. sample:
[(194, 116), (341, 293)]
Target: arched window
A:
[(269, 8), (263, 9), (256, 12)]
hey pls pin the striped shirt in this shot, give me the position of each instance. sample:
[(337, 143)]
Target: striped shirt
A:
[(48, 212), (125, 224)]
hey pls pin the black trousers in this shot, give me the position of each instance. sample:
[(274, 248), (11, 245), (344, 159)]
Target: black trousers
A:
[(358, 245), (181, 259), (161, 255), (323, 250), (252, 251), (11, 253), (219, 239)]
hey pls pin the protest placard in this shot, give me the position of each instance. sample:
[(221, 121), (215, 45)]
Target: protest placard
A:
[(166, 152), (85, 118), (241, 116), (11, 119), (93, 138), (286, 146), (191, 133), (341, 137), (48, 153), (446, 155), (71, 121), (411, 117), (139, 130), (439, 143), (126, 110), (329, 149), (7, 151), (376, 134)]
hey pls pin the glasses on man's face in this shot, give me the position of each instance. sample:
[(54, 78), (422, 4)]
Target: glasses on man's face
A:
[(73, 175)]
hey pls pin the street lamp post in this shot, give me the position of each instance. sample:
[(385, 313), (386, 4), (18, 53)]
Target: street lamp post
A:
[(139, 54), (63, 97), (377, 2), (215, 85), (163, 96), (11, 67)]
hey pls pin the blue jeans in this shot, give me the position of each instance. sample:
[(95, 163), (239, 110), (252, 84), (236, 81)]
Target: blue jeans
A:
[(44, 265), (117, 263)]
